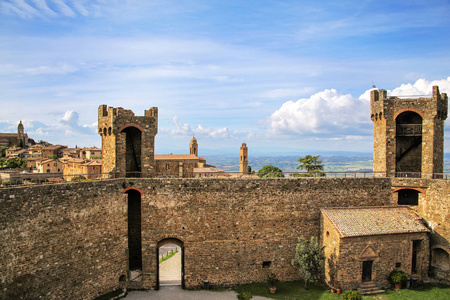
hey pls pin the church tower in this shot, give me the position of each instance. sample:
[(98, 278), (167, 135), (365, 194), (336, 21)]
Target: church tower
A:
[(193, 147), (243, 161), (408, 134), (21, 135)]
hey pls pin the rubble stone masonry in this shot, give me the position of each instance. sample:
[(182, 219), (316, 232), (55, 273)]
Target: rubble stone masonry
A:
[(70, 240)]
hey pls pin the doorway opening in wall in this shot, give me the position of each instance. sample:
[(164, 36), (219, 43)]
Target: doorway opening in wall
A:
[(133, 142), (416, 249), (408, 138), (408, 197), (170, 262), (367, 271), (134, 236)]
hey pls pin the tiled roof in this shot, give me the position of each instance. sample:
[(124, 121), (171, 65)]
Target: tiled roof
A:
[(176, 157), (351, 222), (208, 170)]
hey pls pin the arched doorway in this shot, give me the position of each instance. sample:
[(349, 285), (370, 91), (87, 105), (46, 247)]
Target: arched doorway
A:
[(408, 197), (408, 144), (134, 235), (133, 141), (170, 272)]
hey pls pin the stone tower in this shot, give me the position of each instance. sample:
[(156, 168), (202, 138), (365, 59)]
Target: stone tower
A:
[(128, 141), (193, 147), (243, 161), (21, 135), (408, 134)]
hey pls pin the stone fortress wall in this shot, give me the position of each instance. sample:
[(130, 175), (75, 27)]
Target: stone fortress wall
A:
[(70, 240)]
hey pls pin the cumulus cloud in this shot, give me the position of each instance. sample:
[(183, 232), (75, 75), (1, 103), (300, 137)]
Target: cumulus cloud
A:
[(326, 112), (421, 87), (70, 122)]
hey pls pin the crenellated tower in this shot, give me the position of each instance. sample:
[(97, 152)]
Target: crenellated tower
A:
[(243, 161), (408, 134), (128, 141)]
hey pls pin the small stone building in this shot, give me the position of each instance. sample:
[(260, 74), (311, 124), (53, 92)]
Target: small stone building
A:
[(366, 244)]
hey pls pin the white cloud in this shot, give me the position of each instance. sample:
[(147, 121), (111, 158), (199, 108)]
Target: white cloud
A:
[(70, 122), (326, 112), (421, 87)]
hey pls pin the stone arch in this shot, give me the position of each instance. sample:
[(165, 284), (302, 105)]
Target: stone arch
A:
[(109, 131), (440, 259), (104, 131), (409, 110), (131, 125), (408, 137), (134, 189), (179, 243)]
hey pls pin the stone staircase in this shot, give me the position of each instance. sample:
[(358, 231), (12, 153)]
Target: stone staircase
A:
[(370, 288)]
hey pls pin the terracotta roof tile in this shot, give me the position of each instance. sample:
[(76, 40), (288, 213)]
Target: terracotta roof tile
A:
[(176, 157), (374, 221)]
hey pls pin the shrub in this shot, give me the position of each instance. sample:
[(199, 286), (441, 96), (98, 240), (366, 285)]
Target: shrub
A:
[(78, 178), (397, 277), (244, 295), (272, 280), (351, 295)]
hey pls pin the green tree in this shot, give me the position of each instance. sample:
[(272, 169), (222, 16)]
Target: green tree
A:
[(270, 171), (309, 259), (53, 156), (312, 165), (13, 163), (3, 151)]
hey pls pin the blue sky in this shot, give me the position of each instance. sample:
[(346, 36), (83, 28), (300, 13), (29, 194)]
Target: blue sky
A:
[(283, 76)]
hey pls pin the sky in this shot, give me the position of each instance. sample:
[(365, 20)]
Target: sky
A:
[(282, 76)]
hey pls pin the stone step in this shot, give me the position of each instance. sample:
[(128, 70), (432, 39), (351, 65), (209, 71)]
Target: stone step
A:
[(374, 292)]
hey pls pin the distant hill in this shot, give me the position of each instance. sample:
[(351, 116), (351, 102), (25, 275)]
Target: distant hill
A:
[(288, 163)]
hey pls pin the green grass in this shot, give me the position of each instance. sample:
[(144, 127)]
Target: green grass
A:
[(166, 257), (423, 292), (294, 291)]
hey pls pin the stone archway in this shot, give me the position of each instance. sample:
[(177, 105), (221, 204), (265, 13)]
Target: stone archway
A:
[(408, 138), (172, 272), (133, 151)]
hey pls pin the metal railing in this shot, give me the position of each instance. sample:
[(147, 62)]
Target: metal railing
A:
[(27, 179), (409, 130)]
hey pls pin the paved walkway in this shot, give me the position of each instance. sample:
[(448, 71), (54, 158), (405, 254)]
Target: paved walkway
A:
[(170, 271), (176, 293)]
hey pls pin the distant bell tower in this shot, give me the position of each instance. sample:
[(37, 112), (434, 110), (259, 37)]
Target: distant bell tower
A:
[(20, 135), (243, 161), (408, 134), (193, 147)]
